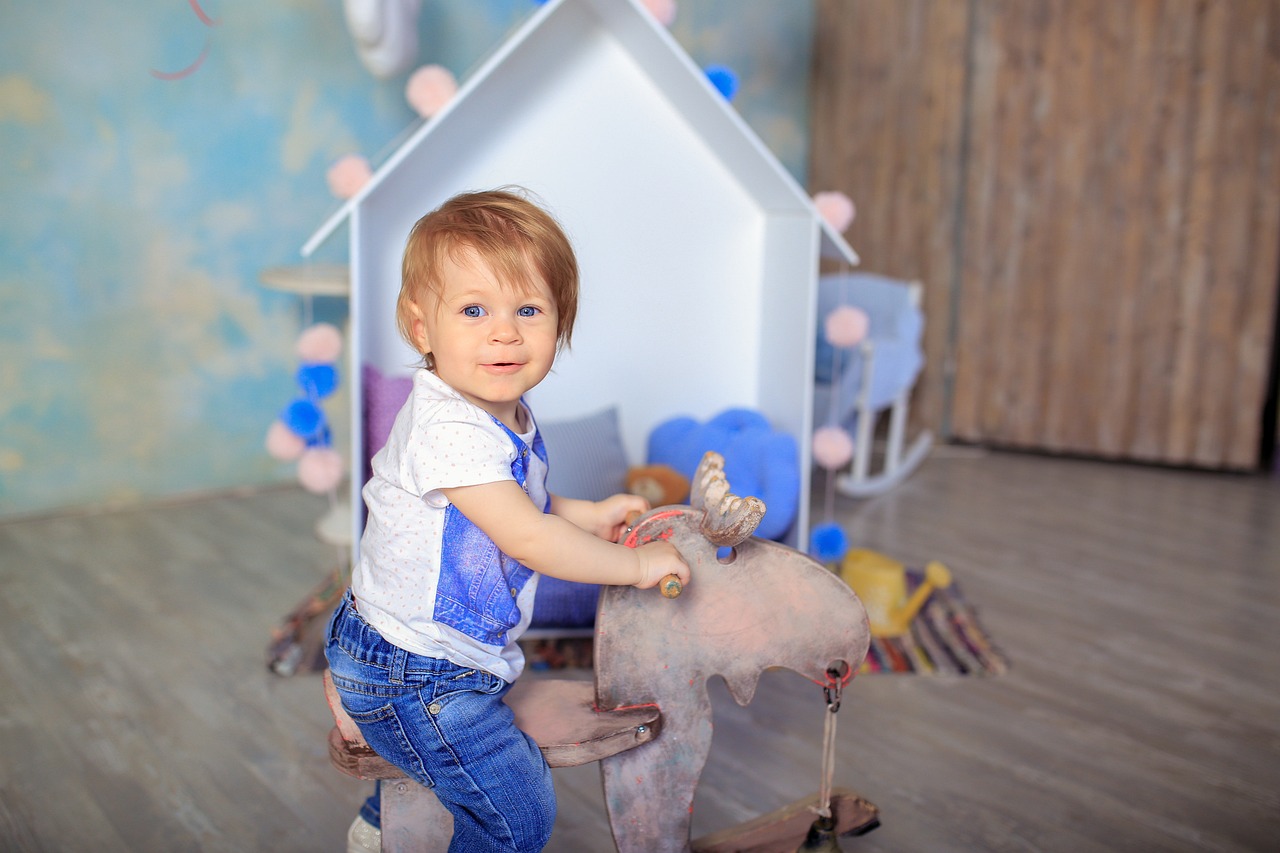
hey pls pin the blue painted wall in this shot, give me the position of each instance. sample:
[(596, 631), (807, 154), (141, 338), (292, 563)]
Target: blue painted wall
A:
[(140, 356)]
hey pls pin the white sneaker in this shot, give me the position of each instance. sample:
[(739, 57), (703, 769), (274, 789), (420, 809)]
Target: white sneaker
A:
[(363, 837)]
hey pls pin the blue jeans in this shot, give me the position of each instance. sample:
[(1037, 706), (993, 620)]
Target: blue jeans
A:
[(447, 727), (371, 811)]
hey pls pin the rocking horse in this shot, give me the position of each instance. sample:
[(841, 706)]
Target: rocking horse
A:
[(647, 718)]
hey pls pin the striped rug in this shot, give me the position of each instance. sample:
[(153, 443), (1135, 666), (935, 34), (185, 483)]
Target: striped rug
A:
[(946, 638)]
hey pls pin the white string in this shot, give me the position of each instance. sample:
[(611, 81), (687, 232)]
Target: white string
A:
[(833, 408), (828, 763)]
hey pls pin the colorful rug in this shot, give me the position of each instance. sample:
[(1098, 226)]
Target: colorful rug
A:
[(946, 638)]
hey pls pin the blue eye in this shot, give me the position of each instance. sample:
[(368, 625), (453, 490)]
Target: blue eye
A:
[(473, 311), (527, 311)]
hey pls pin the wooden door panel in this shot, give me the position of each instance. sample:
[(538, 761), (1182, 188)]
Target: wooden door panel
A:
[(1113, 204)]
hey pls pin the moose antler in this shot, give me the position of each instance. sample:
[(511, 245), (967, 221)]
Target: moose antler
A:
[(728, 519)]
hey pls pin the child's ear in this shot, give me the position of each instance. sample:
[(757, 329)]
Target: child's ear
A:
[(418, 327)]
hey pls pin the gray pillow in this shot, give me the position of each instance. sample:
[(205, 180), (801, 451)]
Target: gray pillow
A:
[(585, 456)]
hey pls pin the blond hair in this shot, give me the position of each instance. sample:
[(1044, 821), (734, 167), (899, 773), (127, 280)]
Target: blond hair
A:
[(519, 241)]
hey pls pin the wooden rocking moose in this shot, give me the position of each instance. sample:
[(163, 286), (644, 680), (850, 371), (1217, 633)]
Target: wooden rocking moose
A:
[(749, 606)]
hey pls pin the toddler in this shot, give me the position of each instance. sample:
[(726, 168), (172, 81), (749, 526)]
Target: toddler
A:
[(422, 648)]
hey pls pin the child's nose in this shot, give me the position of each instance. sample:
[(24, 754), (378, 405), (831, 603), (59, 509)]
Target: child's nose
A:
[(504, 329)]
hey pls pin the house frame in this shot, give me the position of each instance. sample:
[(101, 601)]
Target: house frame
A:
[(699, 252)]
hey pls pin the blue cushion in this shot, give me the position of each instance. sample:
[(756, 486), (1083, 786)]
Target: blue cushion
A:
[(585, 456), (758, 462), (564, 604)]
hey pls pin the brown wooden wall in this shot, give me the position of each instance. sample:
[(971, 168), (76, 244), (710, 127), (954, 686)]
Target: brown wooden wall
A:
[(1090, 191)]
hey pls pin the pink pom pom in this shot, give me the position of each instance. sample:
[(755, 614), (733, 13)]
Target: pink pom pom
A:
[(320, 470), (846, 326), (283, 443), (319, 344), (832, 447), (348, 175), (836, 208), (663, 10), (429, 89)]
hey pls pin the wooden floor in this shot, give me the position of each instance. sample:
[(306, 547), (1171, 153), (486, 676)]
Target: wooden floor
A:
[(1140, 609)]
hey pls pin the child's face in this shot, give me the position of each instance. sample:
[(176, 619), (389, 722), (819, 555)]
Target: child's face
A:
[(490, 343)]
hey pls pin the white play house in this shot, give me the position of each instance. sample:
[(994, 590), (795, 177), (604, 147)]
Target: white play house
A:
[(699, 252)]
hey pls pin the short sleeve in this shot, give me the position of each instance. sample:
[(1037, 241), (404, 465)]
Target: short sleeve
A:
[(445, 452)]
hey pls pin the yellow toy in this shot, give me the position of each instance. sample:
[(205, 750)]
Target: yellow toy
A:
[(881, 584)]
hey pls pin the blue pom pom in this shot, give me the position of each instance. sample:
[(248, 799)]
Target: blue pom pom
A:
[(724, 79), (317, 380), (827, 543), (303, 417)]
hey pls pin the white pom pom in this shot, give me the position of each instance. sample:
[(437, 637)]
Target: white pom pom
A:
[(836, 208), (348, 175), (832, 447), (283, 443), (319, 344), (429, 89), (846, 326), (663, 10), (320, 470)]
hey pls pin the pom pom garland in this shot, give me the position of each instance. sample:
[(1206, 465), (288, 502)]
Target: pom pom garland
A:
[(302, 431), (348, 175), (429, 89), (836, 208), (846, 326), (832, 447)]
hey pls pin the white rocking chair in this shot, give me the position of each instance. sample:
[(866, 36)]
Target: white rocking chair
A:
[(882, 376)]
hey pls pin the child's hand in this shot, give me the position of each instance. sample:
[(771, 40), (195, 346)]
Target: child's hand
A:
[(657, 560), (611, 515)]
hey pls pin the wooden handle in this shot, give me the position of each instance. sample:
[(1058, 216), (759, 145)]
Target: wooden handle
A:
[(670, 586)]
